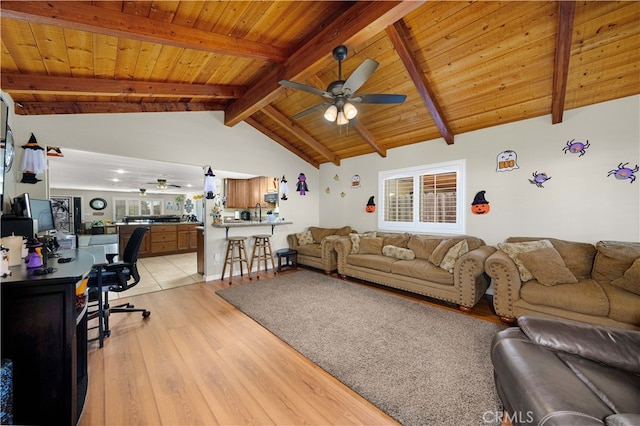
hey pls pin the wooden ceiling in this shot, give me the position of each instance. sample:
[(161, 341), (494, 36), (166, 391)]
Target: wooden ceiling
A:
[(463, 65)]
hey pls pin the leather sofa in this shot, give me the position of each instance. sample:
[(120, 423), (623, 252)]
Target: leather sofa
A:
[(448, 268), (561, 372), (548, 277)]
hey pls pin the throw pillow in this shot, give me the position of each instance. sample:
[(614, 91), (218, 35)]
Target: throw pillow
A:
[(355, 240), (305, 238), (547, 266), (630, 281), (513, 249), (370, 245), (398, 252), (441, 250), (453, 254)]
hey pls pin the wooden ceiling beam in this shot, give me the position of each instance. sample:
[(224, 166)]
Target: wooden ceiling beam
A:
[(369, 138), (23, 83), (361, 22), (305, 137), (566, 14), (272, 135), (399, 35), (50, 108), (83, 17)]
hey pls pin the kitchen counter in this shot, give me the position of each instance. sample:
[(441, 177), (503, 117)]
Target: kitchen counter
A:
[(162, 238), (246, 223)]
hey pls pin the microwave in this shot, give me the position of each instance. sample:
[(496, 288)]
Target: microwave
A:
[(271, 197)]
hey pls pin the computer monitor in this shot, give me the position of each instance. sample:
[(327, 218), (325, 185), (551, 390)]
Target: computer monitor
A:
[(42, 215), (21, 206)]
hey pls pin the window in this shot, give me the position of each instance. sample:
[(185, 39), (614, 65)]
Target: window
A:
[(423, 199), (136, 207)]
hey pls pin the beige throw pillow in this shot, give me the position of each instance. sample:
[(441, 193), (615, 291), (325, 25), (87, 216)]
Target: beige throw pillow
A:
[(513, 249), (398, 252), (305, 238), (453, 254), (441, 250), (630, 281), (355, 240), (370, 245), (547, 266)]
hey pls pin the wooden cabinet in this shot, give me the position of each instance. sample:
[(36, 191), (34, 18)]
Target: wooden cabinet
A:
[(162, 239), (246, 193), (187, 237), (237, 193)]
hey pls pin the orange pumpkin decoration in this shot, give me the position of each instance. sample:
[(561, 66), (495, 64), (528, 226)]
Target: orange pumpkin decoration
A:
[(371, 206), (480, 205)]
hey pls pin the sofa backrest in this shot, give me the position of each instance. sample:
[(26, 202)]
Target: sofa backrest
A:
[(577, 256), (613, 258), (319, 233)]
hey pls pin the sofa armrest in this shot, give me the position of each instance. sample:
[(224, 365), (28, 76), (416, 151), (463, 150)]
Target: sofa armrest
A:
[(328, 252), (615, 347), (468, 275), (343, 249), (622, 420), (506, 281), (292, 240)]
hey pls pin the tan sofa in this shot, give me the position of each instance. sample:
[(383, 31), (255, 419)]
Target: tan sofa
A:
[(598, 284), (317, 252), (449, 268)]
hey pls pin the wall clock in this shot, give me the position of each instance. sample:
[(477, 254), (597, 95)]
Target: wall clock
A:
[(98, 203)]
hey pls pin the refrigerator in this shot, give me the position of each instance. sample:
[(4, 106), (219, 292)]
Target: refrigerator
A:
[(67, 216)]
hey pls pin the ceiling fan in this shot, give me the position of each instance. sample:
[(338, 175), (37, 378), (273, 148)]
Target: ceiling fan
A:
[(162, 184), (341, 93)]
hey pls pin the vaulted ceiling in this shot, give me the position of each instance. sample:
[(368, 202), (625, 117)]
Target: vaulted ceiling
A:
[(462, 65)]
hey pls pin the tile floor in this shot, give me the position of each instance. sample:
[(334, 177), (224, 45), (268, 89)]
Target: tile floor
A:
[(163, 272)]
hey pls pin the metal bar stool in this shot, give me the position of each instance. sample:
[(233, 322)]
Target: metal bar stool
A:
[(236, 252), (262, 247)]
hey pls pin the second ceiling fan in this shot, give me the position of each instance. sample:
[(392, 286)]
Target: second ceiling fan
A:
[(340, 94)]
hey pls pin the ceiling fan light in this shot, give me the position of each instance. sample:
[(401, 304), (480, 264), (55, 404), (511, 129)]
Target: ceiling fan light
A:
[(350, 111), (143, 192), (331, 113), (342, 119)]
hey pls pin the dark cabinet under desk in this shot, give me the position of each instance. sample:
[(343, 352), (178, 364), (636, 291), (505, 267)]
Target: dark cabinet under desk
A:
[(45, 337)]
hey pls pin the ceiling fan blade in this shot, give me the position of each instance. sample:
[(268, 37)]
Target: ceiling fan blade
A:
[(311, 110), (309, 89), (379, 99), (359, 76)]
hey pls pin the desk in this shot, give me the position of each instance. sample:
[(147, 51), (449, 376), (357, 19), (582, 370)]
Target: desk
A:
[(46, 338)]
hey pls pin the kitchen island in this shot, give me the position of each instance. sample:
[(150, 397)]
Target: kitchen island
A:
[(248, 223), (162, 239)]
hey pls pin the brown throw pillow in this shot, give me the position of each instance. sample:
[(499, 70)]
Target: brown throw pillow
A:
[(370, 245), (630, 281), (547, 266), (440, 252)]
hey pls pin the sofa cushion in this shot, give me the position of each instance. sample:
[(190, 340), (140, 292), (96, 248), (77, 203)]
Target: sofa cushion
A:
[(355, 240), (423, 245), (577, 256), (313, 249), (547, 266), (370, 245), (394, 239), (630, 281), (441, 250), (514, 249), (613, 259), (372, 261), (319, 233), (454, 254), (585, 297), (422, 269), (305, 238), (398, 252), (623, 305)]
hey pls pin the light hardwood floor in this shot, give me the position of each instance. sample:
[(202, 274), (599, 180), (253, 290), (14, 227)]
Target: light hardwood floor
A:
[(198, 360)]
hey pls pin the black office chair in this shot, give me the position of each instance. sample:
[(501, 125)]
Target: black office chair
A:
[(117, 277)]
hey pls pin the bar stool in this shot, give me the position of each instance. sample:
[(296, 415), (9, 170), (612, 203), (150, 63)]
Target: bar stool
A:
[(235, 244), (262, 247)]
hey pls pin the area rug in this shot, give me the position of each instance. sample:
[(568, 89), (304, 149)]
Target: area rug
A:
[(421, 365)]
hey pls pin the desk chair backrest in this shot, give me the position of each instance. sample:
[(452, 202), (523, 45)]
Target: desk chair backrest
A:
[(130, 255)]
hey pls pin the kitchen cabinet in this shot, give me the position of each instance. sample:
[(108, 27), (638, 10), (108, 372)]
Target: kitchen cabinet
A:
[(247, 193), (162, 239)]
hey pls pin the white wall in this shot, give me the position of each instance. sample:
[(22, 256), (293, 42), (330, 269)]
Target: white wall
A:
[(196, 138), (579, 203)]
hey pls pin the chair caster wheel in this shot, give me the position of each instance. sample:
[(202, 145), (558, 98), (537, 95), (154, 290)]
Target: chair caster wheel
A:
[(130, 306), (107, 333), (146, 314)]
